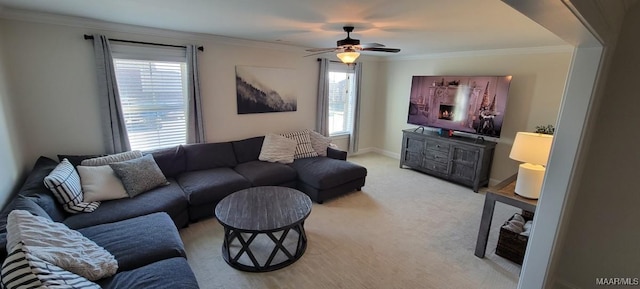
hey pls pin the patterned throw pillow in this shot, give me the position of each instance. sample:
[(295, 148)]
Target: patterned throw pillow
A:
[(319, 143), (64, 183), (304, 149), (23, 270), (139, 175), (276, 148), (105, 160)]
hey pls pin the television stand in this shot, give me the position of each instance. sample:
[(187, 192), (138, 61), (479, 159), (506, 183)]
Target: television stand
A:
[(457, 159), (420, 128)]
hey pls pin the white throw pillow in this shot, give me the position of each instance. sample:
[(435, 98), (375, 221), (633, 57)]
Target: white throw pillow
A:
[(319, 143), (304, 149), (55, 243), (100, 184), (277, 148)]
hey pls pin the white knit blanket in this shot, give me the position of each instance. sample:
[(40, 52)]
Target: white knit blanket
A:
[(59, 245)]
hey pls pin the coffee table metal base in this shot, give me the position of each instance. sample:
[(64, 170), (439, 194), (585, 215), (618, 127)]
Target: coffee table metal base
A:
[(234, 237)]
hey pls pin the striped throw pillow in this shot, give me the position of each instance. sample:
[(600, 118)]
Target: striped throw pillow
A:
[(64, 183), (304, 149), (23, 270)]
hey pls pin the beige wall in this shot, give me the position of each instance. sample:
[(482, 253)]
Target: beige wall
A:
[(534, 95), (52, 73), (54, 95), (12, 165), (600, 235)]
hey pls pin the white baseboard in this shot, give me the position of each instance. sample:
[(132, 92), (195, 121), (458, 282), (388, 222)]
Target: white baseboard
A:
[(564, 284), (493, 182), (378, 151)]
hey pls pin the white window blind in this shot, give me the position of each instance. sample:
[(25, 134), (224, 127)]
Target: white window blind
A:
[(152, 89), (342, 87)]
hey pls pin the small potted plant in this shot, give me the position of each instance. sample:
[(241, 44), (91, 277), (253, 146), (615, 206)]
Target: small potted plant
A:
[(545, 129)]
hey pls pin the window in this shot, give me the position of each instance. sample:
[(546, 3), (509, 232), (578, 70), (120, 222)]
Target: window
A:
[(342, 92), (153, 92)]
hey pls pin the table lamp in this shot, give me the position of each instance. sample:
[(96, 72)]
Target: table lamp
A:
[(533, 150)]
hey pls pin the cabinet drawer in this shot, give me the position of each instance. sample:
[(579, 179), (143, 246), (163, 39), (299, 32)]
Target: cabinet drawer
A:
[(442, 168), (437, 156), (437, 146)]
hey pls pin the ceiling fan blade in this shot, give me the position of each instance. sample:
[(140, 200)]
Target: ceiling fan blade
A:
[(371, 45), (317, 53), (321, 49), (379, 49)]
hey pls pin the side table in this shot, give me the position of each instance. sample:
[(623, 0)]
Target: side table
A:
[(507, 195)]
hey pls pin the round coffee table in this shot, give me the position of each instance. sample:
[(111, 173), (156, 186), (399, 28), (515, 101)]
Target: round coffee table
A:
[(263, 227)]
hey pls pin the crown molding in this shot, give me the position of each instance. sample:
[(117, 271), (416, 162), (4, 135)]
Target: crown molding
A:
[(182, 37), (93, 25), (489, 52)]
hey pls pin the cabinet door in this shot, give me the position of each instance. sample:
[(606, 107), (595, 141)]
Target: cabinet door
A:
[(414, 152), (463, 163)]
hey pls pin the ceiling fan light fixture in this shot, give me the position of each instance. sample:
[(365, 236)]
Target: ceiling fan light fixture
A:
[(348, 57)]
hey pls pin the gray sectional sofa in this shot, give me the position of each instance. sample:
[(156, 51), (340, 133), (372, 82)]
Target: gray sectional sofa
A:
[(142, 232)]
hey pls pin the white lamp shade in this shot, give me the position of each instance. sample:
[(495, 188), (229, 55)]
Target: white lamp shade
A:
[(348, 57), (531, 148)]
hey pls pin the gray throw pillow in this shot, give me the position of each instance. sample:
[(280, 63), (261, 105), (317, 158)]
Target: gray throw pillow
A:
[(139, 175)]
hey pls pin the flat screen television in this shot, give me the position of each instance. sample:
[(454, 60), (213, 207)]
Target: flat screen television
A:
[(470, 104)]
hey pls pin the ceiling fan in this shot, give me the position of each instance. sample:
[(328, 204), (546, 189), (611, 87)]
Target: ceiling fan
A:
[(348, 49)]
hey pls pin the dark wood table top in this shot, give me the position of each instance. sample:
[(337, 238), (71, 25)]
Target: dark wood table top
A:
[(263, 209)]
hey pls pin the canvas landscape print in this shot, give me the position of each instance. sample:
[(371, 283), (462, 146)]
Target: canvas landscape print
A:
[(263, 89)]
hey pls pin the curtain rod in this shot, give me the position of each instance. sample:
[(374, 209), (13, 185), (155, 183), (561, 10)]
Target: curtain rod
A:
[(87, 37), (331, 60)]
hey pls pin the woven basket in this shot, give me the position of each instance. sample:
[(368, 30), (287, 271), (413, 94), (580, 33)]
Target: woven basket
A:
[(512, 245)]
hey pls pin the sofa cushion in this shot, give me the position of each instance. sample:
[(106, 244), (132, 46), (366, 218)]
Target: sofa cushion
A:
[(323, 173), (139, 175), (170, 199), (64, 183), (171, 161), (211, 186), (166, 274), (34, 187), (261, 173), (138, 241), (209, 156), (247, 150)]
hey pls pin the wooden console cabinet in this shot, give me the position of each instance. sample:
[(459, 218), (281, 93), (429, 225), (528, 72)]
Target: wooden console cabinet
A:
[(463, 160)]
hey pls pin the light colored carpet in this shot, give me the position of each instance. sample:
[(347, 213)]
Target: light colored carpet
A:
[(403, 230)]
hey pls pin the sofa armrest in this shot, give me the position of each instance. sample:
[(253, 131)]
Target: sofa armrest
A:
[(336, 154)]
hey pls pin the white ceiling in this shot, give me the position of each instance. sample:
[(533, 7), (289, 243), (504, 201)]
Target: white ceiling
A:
[(415, 26)]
